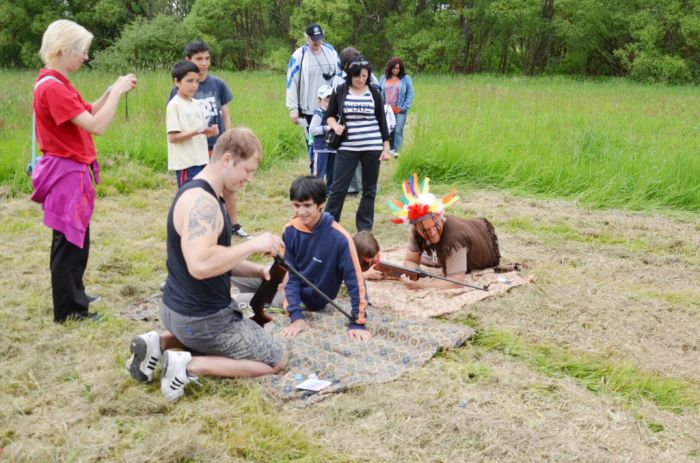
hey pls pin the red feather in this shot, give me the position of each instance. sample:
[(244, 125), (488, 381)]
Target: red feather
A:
[(416, 211)]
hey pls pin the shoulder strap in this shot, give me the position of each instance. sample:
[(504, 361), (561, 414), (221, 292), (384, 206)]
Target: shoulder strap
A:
[(45, 79), (301, 67), (344, 89), (36, 85)]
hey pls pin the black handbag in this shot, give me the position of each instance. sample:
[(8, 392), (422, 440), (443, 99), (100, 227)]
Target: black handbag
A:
[(333, 140)]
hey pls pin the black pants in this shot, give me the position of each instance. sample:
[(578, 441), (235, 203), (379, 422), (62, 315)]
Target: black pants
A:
[(344, 170), (68, 263)]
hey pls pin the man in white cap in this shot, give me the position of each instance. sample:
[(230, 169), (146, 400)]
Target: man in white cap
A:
[(313, 64)]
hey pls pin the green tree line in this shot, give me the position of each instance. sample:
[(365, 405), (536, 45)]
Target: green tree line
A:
[(647, 40)]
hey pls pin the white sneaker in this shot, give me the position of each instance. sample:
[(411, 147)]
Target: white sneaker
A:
[(146, 354), (175, 377), (396, 154), (239, 232)]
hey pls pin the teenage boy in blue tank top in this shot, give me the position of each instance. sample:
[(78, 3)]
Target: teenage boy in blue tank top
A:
[(214, 96), (324, 252)]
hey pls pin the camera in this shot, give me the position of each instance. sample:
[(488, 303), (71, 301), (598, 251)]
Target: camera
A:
[(327, 76)]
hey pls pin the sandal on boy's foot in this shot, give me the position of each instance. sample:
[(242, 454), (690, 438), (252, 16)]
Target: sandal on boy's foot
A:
[(175, 377), (146, 354)]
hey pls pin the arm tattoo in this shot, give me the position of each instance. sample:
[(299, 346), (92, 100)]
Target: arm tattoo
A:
[(204, 216)]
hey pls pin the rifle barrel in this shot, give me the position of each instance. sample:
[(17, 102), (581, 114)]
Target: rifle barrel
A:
[(430, 275), (423, 274)]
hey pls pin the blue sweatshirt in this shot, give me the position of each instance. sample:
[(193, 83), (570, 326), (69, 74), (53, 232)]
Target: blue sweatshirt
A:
[(326, 256)]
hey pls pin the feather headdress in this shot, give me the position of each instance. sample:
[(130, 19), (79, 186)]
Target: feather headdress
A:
[(417, 202)]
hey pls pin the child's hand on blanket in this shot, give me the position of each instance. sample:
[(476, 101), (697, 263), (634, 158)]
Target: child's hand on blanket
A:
[(360, 335), (294, 328)]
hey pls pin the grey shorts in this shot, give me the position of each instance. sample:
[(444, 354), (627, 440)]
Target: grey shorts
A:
[(225, 333)]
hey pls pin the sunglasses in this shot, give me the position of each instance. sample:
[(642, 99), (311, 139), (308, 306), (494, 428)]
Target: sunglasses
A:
[(355, 64)]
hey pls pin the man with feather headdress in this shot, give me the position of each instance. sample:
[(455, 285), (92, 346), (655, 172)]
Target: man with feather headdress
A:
[(457, 246)]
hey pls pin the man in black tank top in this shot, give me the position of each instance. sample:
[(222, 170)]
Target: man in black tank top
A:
[(197, 307)]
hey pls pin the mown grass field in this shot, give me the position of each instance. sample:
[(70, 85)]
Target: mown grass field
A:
[(596, 361)]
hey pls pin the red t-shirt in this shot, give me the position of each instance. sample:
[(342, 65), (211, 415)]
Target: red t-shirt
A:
[(55, 104)]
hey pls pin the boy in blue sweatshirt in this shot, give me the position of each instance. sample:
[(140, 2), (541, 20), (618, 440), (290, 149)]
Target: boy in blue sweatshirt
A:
[(324, 252)]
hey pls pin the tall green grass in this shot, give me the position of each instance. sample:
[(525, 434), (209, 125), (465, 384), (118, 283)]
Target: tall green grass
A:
[(607, 143), (258, 103)]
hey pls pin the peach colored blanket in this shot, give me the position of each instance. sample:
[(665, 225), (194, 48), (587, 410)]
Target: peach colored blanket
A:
[(423, 303)]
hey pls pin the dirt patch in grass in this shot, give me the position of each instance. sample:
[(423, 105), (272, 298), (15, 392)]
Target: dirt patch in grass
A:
[(616, 285)]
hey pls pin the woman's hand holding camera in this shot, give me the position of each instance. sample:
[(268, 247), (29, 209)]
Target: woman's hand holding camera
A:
[(338, 129), (124, 84)]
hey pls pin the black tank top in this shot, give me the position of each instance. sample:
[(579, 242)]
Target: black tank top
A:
[(183, 293)]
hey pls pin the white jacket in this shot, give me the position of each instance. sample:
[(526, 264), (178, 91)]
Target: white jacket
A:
[(305, 75)]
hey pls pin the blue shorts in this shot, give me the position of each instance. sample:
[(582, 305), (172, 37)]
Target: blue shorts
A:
[(185, 175)]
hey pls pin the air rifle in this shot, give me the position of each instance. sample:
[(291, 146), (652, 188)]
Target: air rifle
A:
[(265, 293), (395, 271), (280, 260)]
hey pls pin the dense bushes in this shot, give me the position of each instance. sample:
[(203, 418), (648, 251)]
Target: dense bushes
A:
[(145, 44), (648, 40)]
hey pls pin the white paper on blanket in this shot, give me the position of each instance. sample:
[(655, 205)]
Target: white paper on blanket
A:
[(313, 384)]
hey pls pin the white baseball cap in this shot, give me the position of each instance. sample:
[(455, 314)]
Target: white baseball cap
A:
[(324, 91)]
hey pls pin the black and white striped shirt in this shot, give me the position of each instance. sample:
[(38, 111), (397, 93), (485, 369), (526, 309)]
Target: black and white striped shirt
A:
[(361, 124)]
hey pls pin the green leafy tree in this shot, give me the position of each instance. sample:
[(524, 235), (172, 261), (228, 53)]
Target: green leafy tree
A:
[(648, 40), (664, 43), (146, 44)]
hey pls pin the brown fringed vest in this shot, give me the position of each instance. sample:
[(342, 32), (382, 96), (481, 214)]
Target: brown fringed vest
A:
[(477, 235)]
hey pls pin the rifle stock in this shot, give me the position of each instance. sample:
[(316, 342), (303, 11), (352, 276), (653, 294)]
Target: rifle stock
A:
[(265, 294), (394, 271)]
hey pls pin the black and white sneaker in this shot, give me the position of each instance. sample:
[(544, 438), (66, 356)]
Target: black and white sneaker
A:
[(239, 232), (175, 377), (146, 350)]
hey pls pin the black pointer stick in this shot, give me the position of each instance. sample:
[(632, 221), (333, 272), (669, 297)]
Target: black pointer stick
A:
[(280, 260)]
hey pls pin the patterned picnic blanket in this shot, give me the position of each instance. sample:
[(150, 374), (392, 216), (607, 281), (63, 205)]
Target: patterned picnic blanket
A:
[(325, 350), (395, 298)]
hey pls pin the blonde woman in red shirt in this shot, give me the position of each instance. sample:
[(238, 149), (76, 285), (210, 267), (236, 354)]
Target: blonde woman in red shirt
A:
[(63, 177)]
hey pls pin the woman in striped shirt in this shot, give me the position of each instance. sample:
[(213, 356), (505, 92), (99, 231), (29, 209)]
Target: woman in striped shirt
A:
[(356, 112)]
